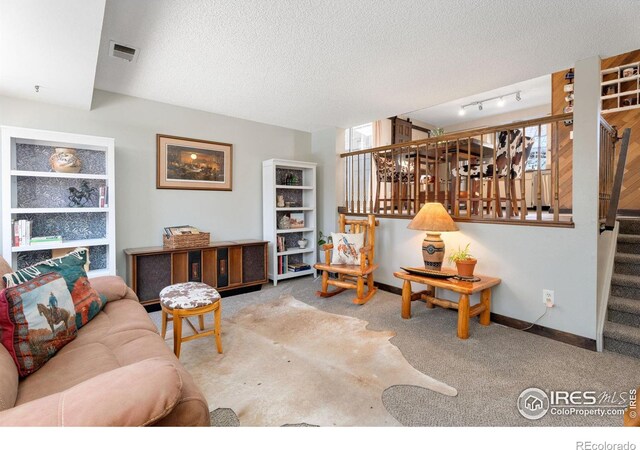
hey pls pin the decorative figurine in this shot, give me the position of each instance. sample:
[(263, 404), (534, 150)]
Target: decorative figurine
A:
[(79, 198), (64, 160)]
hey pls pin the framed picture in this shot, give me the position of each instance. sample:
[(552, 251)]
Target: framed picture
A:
[(297, 220), (184, 163)]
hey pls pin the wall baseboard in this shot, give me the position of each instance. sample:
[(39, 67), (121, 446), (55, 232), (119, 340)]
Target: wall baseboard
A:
[(556, 335)]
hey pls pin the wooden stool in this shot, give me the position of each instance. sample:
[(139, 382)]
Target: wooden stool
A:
[(185, 300)]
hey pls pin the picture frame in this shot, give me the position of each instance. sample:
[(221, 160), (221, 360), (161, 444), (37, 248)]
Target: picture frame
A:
[(297, 220), (194, 164)]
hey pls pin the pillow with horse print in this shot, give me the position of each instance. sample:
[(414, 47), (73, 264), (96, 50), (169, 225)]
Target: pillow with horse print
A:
[(72, 266), (37, 318), (346, 248)]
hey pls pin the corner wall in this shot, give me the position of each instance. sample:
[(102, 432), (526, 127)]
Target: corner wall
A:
[(142, 210)]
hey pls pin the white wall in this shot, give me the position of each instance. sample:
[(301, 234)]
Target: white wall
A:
[(142, 210)]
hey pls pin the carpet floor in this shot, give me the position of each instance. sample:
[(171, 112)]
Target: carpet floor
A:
[(489, 370)]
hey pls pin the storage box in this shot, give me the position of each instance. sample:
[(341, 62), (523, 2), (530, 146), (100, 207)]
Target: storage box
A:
[(186, 240)]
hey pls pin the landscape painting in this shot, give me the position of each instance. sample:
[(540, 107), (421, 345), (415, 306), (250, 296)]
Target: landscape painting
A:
[(185, 163)]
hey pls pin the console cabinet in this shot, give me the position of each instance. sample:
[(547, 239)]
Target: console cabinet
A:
[(224, 265)]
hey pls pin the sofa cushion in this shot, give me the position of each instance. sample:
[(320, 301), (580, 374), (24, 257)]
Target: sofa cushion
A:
[(37, 318), (72, 267), (138, 394), (8, 380)]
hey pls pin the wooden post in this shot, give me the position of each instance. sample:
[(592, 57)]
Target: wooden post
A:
[(217, 313), (463, 316), (485, 300), (177, 333), (406, 299), (360, 288)]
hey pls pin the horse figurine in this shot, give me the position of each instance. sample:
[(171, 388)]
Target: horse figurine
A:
[(63, 316), (82, 196)]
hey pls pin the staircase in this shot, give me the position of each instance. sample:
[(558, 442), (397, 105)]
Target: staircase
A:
[(622, 329)]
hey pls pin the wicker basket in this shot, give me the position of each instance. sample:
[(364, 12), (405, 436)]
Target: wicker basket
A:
[(186, 240)]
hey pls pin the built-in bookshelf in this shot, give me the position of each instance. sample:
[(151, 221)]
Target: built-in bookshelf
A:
[(620, 88), (34, 192), (289, 215)]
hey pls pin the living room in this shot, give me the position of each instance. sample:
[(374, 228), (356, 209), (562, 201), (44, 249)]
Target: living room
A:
[(271, 90)]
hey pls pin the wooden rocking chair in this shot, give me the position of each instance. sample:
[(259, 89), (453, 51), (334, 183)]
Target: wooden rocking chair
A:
[(352, 276)]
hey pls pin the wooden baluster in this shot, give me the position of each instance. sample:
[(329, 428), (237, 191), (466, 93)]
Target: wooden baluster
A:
[(539, 179), (456, 189), (447, 178), (507, 178), (481, 187), (523, 188), (345, 162), (371, 175), (469, 190), (555, 174), (497, 210)]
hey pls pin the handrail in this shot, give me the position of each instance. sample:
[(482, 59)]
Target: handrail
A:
[(464, 134), (617, 182)]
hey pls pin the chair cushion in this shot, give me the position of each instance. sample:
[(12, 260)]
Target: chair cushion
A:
[(346, 248), (188, 296), (72, 267), (37, 319)]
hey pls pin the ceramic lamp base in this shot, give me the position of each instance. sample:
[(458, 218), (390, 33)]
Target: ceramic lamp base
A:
[(433, 251)]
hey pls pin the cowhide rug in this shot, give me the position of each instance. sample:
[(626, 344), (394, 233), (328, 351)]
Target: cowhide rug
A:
[(287, 362)]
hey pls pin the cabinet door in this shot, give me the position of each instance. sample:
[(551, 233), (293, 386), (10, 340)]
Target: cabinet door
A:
[(209, 267), (222, 258), (235, 265), (180, 267), (253, 263), (153, 273)]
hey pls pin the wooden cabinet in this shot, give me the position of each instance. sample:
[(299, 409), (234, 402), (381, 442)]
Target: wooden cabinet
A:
[(225, 266)]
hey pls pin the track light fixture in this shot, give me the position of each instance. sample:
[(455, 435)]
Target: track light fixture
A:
[(479, 103)]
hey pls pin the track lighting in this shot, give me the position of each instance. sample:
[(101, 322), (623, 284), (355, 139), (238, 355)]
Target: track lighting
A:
[(479, 103)]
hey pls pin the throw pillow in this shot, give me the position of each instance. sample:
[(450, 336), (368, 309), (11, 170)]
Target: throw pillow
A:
[(88, 303), (346, 248), (37, 318)]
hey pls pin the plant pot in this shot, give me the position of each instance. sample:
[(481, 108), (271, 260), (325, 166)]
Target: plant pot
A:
[(465, 267)]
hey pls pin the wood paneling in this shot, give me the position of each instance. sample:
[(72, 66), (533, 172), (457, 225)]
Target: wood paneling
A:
[(564, 142), (630, 197), (179, 268), (235, 265), (209, 259)]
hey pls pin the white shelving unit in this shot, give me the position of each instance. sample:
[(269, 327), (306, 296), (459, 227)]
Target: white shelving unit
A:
[(620, 92), (302, 195), (24, 147)]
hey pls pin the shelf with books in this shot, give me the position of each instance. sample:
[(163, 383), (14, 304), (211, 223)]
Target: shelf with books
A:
[(289, 214), (75, 207)]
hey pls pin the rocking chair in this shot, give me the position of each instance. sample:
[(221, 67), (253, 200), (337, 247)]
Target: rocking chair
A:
[(352, 276)]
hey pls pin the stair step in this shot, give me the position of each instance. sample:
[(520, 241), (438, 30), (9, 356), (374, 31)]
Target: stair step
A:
[(621, 332), (622, 339), (629, 226), (627, 264), (629, 305), (632, 281), (628, 243)]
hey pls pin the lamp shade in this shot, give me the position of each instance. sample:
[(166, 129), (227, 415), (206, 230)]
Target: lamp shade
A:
[(433, 217)]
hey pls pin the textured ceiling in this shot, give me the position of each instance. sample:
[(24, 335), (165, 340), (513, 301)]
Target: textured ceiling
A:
[(310, 64), (535, 92), (53, 44)]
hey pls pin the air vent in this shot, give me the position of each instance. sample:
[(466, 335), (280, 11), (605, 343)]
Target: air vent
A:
[(126, 52)]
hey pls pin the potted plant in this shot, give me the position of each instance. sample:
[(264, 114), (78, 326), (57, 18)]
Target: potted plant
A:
[(465, 262), (322, 239)]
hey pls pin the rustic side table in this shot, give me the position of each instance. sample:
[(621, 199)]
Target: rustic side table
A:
[(464, 288)]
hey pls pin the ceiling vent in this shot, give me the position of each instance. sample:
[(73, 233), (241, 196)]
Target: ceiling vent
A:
[(126, 52)]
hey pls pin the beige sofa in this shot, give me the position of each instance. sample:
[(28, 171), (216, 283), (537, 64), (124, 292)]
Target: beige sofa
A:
[(117, 372)]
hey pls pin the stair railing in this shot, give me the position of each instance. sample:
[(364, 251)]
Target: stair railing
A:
[(616, 188)]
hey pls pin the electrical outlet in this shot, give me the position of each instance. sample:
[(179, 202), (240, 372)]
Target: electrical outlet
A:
[(547, 298)]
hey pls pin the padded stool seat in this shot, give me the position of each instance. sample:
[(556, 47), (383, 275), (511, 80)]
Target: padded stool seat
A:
[(184, 300)]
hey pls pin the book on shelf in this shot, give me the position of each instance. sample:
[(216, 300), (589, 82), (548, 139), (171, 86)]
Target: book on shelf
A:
[(45, 239), (21, 232), (283, 264), (103, 197), (298, 267), (280, 244)]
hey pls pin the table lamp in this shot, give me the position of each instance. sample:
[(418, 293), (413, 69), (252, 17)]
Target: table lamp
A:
[(433, 219)]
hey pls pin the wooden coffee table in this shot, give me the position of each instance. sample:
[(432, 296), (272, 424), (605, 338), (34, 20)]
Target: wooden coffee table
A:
[(464, 288)]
